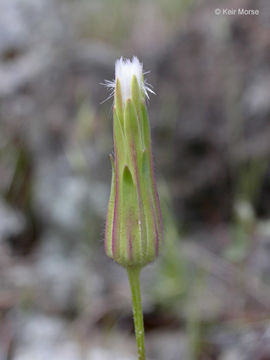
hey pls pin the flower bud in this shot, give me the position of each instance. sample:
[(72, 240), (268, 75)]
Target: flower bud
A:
[(133, 225)]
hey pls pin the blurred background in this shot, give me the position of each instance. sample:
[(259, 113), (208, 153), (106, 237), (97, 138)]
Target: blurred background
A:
[(208, 295)]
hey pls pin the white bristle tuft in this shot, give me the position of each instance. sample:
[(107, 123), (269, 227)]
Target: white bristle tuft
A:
[(125, 69)]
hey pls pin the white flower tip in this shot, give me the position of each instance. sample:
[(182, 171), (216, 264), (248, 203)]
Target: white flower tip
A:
[(125, 69)]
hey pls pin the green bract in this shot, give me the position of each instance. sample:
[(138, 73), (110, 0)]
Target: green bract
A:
[(133, 225)]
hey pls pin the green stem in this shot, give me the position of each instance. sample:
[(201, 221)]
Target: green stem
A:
[(134, 281)]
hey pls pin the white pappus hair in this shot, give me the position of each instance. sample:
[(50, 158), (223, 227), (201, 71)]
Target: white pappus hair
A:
[(124, 71)]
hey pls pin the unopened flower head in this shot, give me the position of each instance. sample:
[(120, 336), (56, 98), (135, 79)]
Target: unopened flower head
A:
[(125, 69), (133, 225)]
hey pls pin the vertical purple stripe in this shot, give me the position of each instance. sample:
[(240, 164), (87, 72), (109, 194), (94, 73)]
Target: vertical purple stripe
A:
[(156, 228), (130, 247), (116, 200), (156, 197)]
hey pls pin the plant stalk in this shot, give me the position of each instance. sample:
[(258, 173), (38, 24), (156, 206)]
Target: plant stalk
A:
[(134, 281)]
